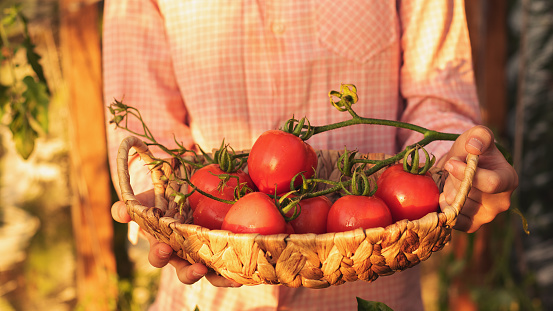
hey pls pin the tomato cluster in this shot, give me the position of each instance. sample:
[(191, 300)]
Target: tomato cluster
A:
[(278, 164)]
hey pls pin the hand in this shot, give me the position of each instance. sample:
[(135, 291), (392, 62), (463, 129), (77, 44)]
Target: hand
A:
[(493, 183), (162, 254)]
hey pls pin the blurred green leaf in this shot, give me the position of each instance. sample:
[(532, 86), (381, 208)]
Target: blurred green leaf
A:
[(36, 101), (365, 305), (27, 99), (33, 58), (23, 134), (4, 99)]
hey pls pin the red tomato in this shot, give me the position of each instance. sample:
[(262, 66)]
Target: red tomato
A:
[(207, 180), (276, 157), (289, 228), (255, 212), (354, 211), (313, 215), (210, 213), (407, 195)]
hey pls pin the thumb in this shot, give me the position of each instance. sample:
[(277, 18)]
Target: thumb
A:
[(478, 140), (119, 212)]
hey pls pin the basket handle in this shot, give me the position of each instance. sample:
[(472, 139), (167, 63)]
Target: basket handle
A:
[(127, 194), (453, 210)]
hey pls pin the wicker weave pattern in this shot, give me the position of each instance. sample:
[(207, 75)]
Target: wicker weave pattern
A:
[(308, 260)]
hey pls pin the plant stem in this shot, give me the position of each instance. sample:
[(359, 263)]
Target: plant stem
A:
[(429, 136), (355, 120)]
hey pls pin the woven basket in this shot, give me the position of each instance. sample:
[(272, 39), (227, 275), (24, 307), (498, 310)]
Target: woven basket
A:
[(294, 260)]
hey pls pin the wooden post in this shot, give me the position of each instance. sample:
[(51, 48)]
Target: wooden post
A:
[(92, 223)]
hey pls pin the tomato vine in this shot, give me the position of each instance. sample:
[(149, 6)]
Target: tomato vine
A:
[(349, 164)]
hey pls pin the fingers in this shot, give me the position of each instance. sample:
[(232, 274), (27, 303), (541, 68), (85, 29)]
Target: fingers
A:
[(219, 281), (472, 216), (496, 180), (162, 254), (189, 274), (119, 212), (493, 183), (119, 209), (490, 194)]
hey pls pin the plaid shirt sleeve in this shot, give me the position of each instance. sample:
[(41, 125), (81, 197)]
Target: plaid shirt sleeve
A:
[(138, 70), (437, 76)]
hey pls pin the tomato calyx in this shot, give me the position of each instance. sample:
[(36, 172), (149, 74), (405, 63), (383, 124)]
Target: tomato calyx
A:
[(361, 184), (412, 165), (308, 185), (289, 202), (299, 128), (346, 162), (226, 158), (240, 190)]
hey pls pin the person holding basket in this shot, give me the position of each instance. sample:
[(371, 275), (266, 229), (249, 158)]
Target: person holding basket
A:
[(203, 71)]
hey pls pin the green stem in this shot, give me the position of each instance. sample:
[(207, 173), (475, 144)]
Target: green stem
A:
[(429, 136), (209, 195), (355, 120)]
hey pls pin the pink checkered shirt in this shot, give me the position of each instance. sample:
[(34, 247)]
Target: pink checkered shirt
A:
[(207, 70)]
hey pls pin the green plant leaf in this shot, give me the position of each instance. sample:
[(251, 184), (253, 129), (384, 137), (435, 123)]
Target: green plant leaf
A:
[(366, 305), (24, 135), (33, 59), (36, 102), (4, 99), (27, 100)]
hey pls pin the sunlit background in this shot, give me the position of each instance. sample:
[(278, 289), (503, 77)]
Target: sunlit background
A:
[(60, 250)]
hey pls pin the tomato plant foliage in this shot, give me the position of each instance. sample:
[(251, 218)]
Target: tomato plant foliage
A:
[(25, 99)]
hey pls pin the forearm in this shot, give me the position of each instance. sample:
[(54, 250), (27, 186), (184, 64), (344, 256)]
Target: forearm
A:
[(437, 79)]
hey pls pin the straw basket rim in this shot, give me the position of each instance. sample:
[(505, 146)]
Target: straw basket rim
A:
[(294, 260)]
